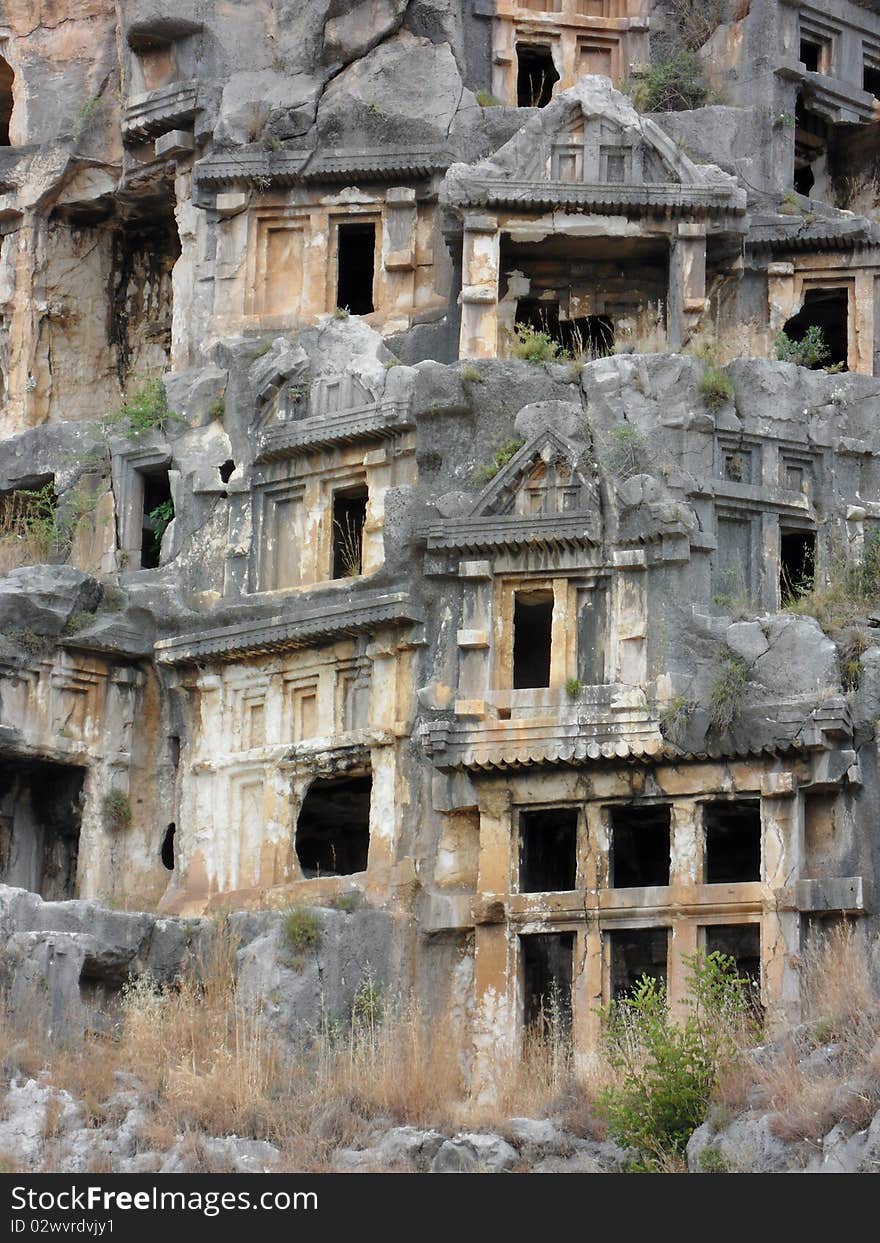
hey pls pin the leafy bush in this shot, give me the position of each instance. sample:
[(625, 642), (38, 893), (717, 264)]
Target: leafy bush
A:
[(302, 930), (160, 517), (145, 410), (715, 388), (115, 811), (673, 83), (728, 690), (668, 1070), (486, 99), (809, 351), (573, 688), (534, 346)]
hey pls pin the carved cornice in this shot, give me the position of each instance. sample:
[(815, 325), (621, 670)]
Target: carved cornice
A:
[(308, 625), (294, 437)]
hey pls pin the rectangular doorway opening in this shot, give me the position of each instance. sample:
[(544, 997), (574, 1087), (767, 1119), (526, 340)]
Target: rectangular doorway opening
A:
[(333, 827), (824, 315), (797, 563), (349, 518), (639, 846), (356, 267), (532, 638), (636, 952), (814, 54), (742, 943), (157, 511), (548, 850), (732, 835), (535, 76), (40, 816), (547, 961)]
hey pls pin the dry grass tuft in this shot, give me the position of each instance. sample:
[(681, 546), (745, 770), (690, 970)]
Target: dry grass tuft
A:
[(841, 1084)]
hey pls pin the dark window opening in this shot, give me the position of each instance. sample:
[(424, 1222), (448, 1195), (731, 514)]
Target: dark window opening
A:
[(639, 845), (7, 77), (542, 316), (536, 75), (548, 850), (355, 267), (871, 80), (532, 632), (174, 750), (226, 470), (168, 848), (732, 841), (812, 141), (804, 179), (589, 335), (333, 829), (811, 55), (827, 310), (797, 563), (636, 952), (349, 517), (741, 942), (40, 816), (546, 974), (158, 511)]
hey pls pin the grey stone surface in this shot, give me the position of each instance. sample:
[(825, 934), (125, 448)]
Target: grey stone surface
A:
[(43, 598)]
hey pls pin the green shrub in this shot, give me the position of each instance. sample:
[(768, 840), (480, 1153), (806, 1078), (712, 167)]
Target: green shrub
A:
[(486, 99), (145, 410), (713, 1161), (160, 517), (115, 811), (534, 346), (672, 83), (715, 388), (502, 456), (667, 1070), (625, 452), (810, 351), (302, 930), (573, 688), (471, 375), (727, 691)]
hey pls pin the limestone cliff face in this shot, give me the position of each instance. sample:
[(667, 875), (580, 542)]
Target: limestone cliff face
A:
[(434, 478)]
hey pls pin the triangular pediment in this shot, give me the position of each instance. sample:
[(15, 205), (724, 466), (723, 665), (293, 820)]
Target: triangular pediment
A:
[(548, 476), (590, 136)]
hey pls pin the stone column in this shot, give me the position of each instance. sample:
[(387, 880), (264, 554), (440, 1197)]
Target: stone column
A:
[(481, 257), (782, 824), (687, 282), (860, 326), (473, 638)]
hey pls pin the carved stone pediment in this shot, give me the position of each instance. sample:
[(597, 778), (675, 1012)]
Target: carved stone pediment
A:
[(591, 149), (547, 476)]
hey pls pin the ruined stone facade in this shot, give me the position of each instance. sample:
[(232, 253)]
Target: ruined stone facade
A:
[(361, 605)]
